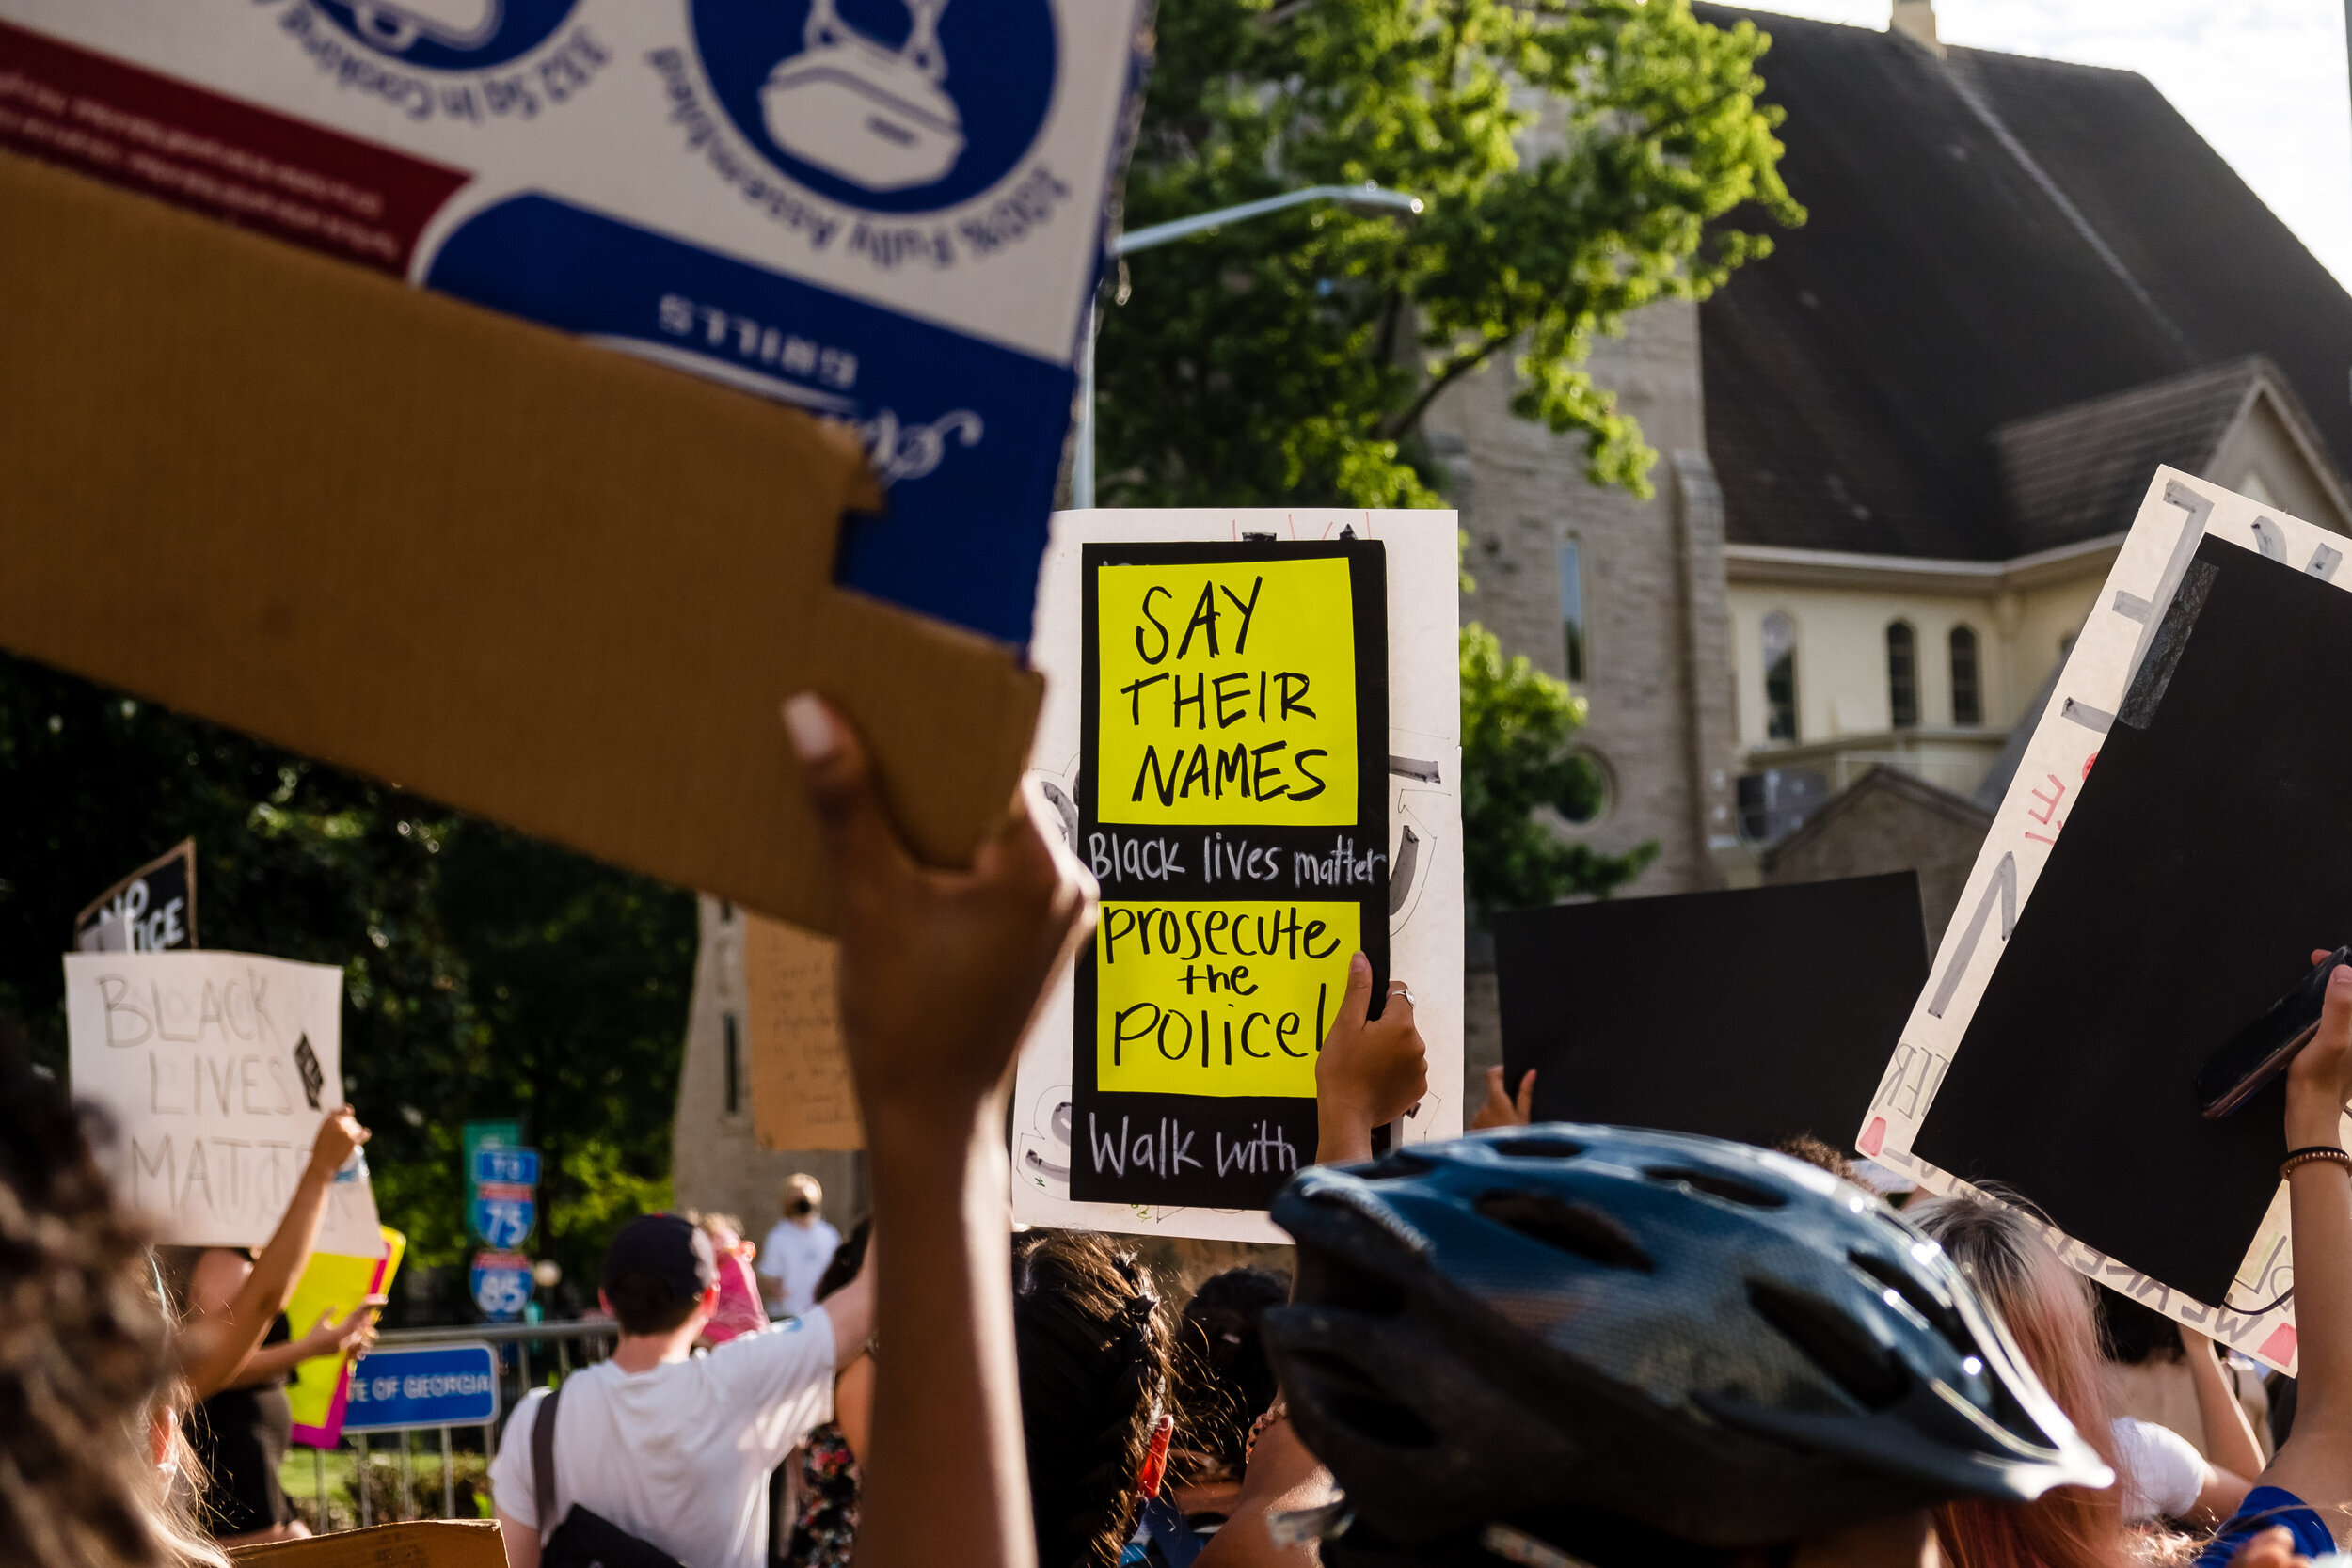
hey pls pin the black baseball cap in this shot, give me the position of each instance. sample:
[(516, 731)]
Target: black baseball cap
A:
[(670, 1247)]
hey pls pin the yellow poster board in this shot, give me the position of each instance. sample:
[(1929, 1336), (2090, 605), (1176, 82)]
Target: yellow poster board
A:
[(1233, 803), (338, 1283)]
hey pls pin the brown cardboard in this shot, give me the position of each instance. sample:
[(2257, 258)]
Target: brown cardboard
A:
[(802, 1095), (425, 1543), (518, 573)]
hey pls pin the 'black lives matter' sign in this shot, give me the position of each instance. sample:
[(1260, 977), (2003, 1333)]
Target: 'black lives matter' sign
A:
[(1233, 803)]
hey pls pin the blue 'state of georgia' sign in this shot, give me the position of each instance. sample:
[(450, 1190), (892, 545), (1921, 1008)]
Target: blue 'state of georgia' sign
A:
[(429, 1386)]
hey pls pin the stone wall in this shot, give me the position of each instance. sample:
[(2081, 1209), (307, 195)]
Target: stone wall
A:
[(1890, 821)]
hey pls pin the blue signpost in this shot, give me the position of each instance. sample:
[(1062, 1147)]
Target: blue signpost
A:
[(432, 1386), (502, 1285)]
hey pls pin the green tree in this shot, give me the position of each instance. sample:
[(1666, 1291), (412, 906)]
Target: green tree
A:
[(1580, 159), (485, 974), (1518, 755)]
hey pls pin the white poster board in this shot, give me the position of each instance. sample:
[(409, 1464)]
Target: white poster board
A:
[(215, 1070), (1426, 921), (2178, 513)]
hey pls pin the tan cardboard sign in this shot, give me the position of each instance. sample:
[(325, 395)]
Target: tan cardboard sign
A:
[(802, 1095), (424, 1543), (518, 573)]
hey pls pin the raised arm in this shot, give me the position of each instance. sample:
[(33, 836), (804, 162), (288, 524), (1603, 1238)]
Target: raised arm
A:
[(223, 1336), (2229, 1445), (2315, 1461), (1369, 1072), (941, 973)]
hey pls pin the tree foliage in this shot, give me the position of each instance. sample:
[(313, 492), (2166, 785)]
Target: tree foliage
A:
[(486, 974), (1518, 757), (1580, 159)]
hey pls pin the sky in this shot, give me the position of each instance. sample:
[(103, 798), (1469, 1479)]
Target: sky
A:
[(2264, 81)]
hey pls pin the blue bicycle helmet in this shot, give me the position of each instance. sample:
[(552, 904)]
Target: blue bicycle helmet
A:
[(1605, 1333)]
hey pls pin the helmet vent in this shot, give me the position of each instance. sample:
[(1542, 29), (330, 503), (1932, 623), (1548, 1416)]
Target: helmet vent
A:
[(1537, 1148), (1833, 1341), (1939, 1314), (1578, 1229), (1395, 1166), (1714, 1184), (1353, 1401)]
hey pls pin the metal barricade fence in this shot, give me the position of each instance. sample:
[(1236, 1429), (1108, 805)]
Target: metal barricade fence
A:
[(531, 1355)]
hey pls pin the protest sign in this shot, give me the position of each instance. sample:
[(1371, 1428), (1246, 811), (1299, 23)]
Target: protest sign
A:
[(640, 560), (150, 910), (2123, 920), (898, 230), (423, 1544), (1755, 1015), (215, 1070), (319, 1387), (1254, 744), (802, 1095)]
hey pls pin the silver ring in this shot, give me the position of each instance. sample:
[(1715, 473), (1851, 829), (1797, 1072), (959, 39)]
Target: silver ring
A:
[(1399, 988)]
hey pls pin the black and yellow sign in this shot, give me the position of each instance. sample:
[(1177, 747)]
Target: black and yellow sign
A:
[(1233, 805)]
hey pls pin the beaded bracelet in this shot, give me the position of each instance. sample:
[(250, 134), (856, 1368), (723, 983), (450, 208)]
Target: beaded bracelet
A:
[(2316, 1152)]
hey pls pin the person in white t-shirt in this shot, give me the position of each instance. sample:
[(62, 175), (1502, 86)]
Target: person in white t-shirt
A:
[(675, 1447), (793, 1257)]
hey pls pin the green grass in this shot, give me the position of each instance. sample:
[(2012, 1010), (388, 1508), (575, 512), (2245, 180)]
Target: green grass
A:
[(339, 1467)]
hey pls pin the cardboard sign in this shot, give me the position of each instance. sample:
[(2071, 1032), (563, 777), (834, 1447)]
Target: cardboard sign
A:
[(150, 910), (215, 1070), (2124, 919), (1254, 745), (894, 223), (803, 1093), (429, 1544), (320, 1388), (1755, 1015), (550, 585)]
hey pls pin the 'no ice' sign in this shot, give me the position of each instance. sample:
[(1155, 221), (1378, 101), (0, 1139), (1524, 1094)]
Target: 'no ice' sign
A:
[(432, 1386)]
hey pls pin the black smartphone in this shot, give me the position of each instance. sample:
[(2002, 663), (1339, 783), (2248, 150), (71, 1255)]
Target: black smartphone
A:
[(2261, 1051)]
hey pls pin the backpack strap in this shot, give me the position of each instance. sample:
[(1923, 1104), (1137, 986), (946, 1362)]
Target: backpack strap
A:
[(542, 1462)]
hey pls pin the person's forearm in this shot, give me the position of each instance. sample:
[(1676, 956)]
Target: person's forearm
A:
[(2320, 1194), (270, 1361), (946, 1424), (2229, 1444), (1342, 1132), (220, 1356)]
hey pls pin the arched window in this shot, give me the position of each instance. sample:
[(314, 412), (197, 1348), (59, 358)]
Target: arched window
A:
[(1903, 675), (1967, 699), (1780, 677)]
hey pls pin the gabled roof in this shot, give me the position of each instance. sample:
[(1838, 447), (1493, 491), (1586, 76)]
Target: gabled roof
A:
[(2071, 474), (1992, 238)]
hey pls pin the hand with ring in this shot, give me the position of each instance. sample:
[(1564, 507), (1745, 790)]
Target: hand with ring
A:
[(1371, 1070)]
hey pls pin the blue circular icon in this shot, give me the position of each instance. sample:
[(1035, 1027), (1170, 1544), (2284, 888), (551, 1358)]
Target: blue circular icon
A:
[(448, 34), (889, 105)]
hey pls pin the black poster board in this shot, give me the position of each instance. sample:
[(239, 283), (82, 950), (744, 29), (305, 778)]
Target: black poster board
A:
[(1755, 1015), (150, 910), (2207, 853), (1232, 802)]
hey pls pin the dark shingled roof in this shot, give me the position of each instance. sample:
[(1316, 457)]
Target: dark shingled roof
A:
[(1992, 238), (2071, 474)]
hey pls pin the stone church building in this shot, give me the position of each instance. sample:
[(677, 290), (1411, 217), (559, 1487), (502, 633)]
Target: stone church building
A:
[(1897, 458)]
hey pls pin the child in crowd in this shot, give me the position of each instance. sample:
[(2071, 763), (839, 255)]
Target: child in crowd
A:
[(1224, 1384), (1091, 1343), (739, 1310)]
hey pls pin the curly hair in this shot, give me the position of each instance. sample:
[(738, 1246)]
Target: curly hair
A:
[(1093, 1346), (1223, 1380), (84, 1351)]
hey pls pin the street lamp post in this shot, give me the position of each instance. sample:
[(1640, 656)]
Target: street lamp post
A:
[(1365, 195)]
